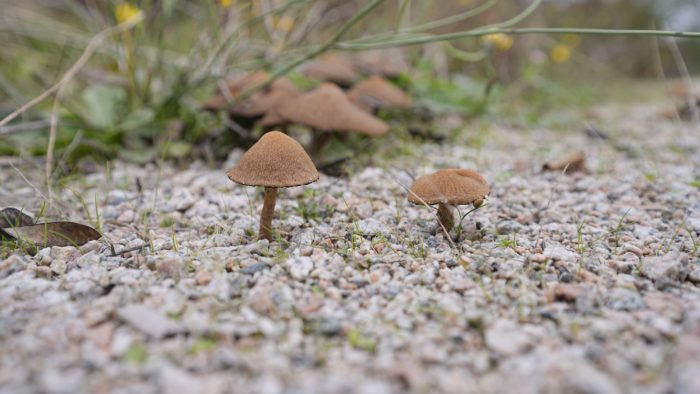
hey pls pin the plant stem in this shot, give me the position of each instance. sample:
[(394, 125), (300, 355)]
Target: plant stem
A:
[(267, 213), (525, 30), (314, 52)]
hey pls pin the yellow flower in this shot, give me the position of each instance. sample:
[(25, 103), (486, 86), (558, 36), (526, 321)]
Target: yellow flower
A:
[(560, 53), (285, 23), (226, 3), (571, 40), (500, 41), (126, 11)]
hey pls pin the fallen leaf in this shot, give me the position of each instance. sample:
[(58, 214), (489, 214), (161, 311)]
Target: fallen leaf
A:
[(13, 217), (53, 234)]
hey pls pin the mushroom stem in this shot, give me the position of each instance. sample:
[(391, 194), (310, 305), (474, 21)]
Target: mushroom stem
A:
[(268, 211), (445, 216)]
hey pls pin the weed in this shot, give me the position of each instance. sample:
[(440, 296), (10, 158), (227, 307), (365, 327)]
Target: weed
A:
[(205, 344), (136, 354), (168, 221)]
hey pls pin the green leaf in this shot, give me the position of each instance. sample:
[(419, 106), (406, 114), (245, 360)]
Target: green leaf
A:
[(137, 119), (178, 149), (102, 105)]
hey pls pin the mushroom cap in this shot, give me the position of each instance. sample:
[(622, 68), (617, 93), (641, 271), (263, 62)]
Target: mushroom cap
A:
[(377, 92), (454, 186), (331, 67), (328, 108), (276, 160), (236, 86), (388, 62), (259, 103)]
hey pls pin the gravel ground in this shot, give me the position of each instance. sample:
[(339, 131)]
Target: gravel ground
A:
[(586, 282)]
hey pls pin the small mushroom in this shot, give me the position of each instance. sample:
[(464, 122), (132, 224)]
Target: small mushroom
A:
[(331, 67), (389, 63), (325, 109), (572, 162), (447, 188), (275, 161), (235, 87), (259, 103), (375, 93)]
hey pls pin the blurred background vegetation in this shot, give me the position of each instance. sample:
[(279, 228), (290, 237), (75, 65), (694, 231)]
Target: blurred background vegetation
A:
[(139, 96)]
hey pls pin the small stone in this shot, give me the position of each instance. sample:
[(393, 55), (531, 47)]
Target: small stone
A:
[(667, 270), (624, 299), (694, 276), (43, 257), (65, 253), (58, 267), (428, 275), (253, 268), (171, 267), (567, 292), (372, 227), (127, 216), (300, 267), (12, 264), (203, 278), (507, 338), (148, 321)]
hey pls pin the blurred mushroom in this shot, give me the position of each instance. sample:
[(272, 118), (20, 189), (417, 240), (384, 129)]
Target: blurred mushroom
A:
[(388, 63), (235, 87), (572, 162), (447, 188), (259, 104), (331, 67), (275, 161), (375, 93), (325, 109)]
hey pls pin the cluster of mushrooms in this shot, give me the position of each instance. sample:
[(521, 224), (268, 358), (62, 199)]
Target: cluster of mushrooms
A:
[(278, 161), (341, 103)]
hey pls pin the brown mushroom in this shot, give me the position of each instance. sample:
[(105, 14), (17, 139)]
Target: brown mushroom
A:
[(275, 161), (375, 93), (389, 63), (447, 188), (235, 87), (327, 108), (572, 162), (260, 102), (331, 67)]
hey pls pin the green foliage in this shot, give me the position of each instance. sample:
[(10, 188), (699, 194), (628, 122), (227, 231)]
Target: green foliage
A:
[(136, 354), (203, 345)]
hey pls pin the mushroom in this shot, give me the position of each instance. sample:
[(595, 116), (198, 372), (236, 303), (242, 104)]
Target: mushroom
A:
[(574, 161), (275, 161), (327, 108), (259, 103), (376, 92), (235, 87), (447, 188), (389, 63), (331, 67)]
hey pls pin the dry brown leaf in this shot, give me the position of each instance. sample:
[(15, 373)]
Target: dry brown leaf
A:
[(53, 234)]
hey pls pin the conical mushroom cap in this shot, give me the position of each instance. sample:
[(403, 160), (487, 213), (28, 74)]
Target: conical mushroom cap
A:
[(276, 160), (331, 67), (236, 86), (452, 186), (388, 62), (377, 92), (267, 99), (327, 108)]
